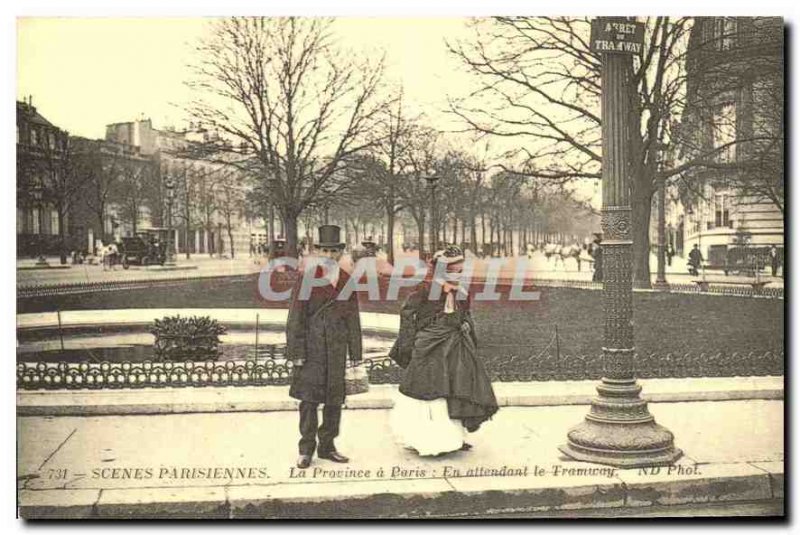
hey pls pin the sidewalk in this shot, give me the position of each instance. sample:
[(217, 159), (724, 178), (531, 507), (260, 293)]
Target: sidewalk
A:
[(241, 465)]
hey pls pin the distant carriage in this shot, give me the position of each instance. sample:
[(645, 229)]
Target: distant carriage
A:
[(278, 249), (148, 247)]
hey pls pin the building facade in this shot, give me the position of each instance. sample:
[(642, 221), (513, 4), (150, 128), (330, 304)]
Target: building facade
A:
[(41, 168), (733, 123), (207, 205)]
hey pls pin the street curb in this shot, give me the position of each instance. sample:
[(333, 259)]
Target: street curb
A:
[(276, 398), (421, 498)]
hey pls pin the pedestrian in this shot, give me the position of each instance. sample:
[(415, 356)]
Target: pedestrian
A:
[(670, 254), (445, 390), (321, 332), (597, 256), (695, 260), (774, 260)]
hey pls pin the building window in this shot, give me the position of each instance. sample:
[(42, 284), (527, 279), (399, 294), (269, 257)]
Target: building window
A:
[(724, 33), (20, 220), (35, 228), (54, 222), (723, 132), (34, 138), (722, 210)]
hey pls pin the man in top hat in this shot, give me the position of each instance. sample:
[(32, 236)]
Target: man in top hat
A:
[(321, 332)]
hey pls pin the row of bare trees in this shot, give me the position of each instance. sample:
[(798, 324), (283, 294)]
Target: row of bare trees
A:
[(316, 129)]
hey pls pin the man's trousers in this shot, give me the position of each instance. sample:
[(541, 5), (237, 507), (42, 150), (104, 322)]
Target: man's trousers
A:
[(327, 432)]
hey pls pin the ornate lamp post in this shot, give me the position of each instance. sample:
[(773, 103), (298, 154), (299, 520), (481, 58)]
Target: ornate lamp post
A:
[(618, 430), (169, 184), (432, 180)]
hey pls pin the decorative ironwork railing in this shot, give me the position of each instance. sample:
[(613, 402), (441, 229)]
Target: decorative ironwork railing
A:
[(739, 289), (277, 371)]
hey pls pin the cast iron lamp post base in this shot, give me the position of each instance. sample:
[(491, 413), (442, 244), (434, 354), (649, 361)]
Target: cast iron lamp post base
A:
[(619, 430)]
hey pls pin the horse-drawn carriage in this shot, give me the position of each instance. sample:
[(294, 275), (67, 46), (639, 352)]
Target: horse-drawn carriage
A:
[(148, 247), (278, 249)]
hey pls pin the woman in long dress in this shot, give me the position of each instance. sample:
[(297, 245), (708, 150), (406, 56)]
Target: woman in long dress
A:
[(445, 391)]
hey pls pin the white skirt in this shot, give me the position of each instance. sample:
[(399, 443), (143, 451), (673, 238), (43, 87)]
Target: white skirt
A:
[(425, 426)]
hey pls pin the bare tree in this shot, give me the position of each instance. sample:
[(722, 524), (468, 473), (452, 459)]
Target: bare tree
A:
[(393, 139), (207, 185), (422, 161), (136, 180), (230, 198), (60, 169), (103, 168), (287, 102)]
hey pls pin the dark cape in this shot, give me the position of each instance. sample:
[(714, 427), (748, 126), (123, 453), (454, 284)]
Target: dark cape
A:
[(320, 333), (441, 359)]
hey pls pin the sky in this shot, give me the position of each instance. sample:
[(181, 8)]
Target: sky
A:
[(84, 73)]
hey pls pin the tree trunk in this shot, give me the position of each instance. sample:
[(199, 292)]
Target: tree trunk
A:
[(640, 232), (102, 230), (420, 233), (473, 233), (230, 239), (390, 235), (62, 234), (290, 227), (483, 231)]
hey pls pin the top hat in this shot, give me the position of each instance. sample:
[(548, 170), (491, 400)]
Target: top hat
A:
[(330, 236)]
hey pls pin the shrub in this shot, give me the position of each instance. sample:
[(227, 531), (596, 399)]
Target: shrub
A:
[(187, 338)]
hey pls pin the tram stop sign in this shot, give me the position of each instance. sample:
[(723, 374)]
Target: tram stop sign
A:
[(617, 35)]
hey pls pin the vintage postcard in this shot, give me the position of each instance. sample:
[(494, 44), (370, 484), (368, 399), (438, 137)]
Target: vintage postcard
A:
[(400, 268)]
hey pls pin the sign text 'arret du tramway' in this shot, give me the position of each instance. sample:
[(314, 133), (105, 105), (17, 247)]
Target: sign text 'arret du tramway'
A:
[(617, 35)]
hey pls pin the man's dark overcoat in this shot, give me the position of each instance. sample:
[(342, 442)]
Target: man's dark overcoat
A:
[(320, 333)]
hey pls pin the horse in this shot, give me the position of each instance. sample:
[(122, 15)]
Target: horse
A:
[(109, 256), (550, 250), (570, 251)]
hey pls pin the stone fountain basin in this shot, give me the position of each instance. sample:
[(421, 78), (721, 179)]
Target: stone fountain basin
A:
[(123, 335)]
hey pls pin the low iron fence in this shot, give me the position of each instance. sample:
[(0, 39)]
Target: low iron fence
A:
[(382, 370)]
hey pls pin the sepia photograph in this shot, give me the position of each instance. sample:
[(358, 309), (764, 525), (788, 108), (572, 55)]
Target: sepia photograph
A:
[(401, 268)]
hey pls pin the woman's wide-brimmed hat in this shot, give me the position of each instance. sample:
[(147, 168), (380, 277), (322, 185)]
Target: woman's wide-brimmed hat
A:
[(449, 255), (330, 236)]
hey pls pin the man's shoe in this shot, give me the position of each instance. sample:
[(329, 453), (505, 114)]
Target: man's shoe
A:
[(466, 447), (334, 456), (304, 461)]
